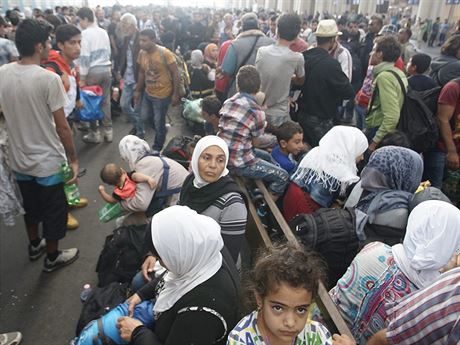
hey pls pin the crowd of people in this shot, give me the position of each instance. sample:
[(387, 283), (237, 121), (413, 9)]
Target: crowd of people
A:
[(312, 106)]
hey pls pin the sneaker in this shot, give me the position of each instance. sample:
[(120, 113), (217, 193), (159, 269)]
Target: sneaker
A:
[(65, 257), (72, 222), (108, 135), (36, 252), (82, 203), (92, 138), (12, 338)]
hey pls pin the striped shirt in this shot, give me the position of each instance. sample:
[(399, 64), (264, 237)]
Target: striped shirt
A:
[(241, 120), (428, 316), (230, 212)]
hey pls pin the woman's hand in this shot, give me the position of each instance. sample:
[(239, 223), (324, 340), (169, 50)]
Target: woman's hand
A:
[(147, 267), (126, 326), (132, 302), (453, 263), (338, 339)]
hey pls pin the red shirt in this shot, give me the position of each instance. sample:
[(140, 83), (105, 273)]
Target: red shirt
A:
[(221, 84), (450, 95), (127, 191)]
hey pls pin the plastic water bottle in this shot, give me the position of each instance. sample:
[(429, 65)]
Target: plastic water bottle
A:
[(71, 191), (85, 292)]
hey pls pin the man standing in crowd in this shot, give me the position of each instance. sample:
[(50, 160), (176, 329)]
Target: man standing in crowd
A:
[(33, 100), (8, 51), (272, 28), (375, 26), (386, 103), (95, 69), (434, 32), (325, 87), (243, 50), (128, 70), (408, 49), (159, 78), (278, 57)]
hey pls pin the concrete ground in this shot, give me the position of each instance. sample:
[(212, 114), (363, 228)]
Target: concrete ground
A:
[(45, 306)]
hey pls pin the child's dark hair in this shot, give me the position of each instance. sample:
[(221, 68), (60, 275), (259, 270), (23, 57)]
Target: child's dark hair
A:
[(395, 138), (211, 105), (289, 264), (421, 62), (148, 33), (65, 32), (287, 130), (111, 174), (248, 79), (31, 32)]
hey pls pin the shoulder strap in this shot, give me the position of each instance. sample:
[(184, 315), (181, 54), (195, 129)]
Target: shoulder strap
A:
[(164, 191), (401, 84), (52, 65), (243, 62), (210, 311)]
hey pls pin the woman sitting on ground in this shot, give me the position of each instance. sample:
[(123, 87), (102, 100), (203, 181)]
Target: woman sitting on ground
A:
[(325, 172), (201, 84), (138, 155), (196, 300), (284, 283), (381, 274), (210, 191), (388, 183)]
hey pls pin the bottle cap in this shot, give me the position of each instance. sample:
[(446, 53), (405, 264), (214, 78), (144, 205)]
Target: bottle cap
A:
[(86, 286)]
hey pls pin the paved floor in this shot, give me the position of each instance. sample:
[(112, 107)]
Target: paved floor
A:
[(45, 306)]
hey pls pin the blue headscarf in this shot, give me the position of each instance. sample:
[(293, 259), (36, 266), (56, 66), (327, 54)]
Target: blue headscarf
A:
[(391, 178)]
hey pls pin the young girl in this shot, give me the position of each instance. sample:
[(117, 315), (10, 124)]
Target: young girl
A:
[(284, 283), (125, 183)]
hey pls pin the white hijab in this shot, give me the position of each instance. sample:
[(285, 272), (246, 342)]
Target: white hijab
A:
[(432, 237), (132, 149), (189, 245), (335, 156), (201, 145)]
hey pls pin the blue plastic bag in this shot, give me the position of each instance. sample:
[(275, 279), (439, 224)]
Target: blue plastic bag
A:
[(92, 98), (142, 312)]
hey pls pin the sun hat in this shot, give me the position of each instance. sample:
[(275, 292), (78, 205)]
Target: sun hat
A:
[(327, 28)]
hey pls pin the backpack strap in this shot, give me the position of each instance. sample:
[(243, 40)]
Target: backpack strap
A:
[(211, 311), (375, 92), (100, 334), (53, 65), (164, 191)]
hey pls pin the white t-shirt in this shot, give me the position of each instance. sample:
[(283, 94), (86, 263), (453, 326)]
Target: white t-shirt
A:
[(276, 65), (29, 95)]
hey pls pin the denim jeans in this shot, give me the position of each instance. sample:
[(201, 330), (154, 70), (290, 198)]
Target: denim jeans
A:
[(126, 104), (360, 115), (155, 109), (434, 162), (263, 169)]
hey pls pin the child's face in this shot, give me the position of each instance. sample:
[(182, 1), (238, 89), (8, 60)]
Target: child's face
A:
[(293, 145), (410, 68), (283, 313)]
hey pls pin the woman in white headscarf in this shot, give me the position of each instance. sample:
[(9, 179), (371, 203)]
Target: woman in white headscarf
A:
[(138, 155), (201, 83), (210, 191), (325, 172), (197, 301), (382, 274)]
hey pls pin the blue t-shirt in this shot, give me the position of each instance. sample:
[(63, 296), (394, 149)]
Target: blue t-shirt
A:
[(284, 161)]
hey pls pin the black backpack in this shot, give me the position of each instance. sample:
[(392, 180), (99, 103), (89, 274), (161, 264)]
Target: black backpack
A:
[(122, 254), (101, 301), (332, 233), (178, 149), (416, 119)]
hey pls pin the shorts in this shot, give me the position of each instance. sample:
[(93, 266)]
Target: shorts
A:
[(45, 204)]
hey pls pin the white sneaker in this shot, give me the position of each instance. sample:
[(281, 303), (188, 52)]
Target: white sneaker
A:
[(12, 338), (65, 257), (108, 135), (92, 138)]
